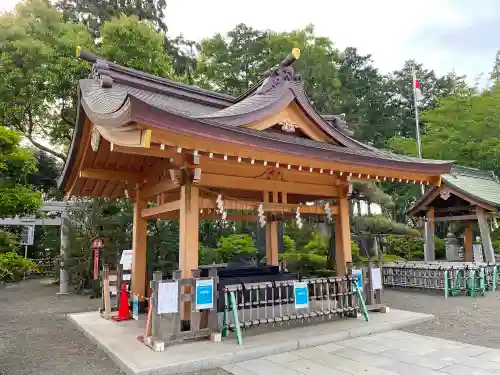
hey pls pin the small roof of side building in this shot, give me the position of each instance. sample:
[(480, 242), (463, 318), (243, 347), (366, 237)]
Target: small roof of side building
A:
[(473, 186)]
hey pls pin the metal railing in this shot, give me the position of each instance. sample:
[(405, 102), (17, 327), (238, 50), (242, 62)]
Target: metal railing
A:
[(451, 278), (276, 303)]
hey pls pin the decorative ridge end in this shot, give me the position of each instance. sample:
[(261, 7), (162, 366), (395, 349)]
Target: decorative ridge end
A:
[(78, 51), (100, 72), (296, 53)]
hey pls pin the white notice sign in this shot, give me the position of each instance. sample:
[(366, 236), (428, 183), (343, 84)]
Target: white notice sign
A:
[(168, 297), (126, 260), (376, 279)]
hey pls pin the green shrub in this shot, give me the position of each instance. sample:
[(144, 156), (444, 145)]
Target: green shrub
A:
[(235, 245), (13, 267), (412, 248), (496, 246), (305, 264), (317, 245), (8, 242), (288, 244), (207, 255)]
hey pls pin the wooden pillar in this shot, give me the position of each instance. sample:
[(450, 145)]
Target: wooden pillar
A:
[(189, 219), (272, 243), (430, 251), (188, 229), (343, 252), (271, 232), (468, 241), (484, 228), (139, 246)]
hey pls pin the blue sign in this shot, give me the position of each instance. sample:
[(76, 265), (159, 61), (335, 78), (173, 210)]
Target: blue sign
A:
[(359, 275), (301, 294), (204, 294), (135, 307)]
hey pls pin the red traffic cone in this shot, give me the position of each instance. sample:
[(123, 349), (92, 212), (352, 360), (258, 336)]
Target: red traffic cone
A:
[(123, 310)]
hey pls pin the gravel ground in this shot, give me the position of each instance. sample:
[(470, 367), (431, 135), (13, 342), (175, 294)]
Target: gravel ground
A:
[(465, 319), (36, 337)]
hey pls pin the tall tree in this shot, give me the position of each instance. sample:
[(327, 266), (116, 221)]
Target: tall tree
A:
[(235, 62), (400, 86), (17, 197), (38, 73), (93, 14)]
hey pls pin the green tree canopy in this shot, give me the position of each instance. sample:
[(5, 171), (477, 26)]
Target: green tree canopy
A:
[(39, 72), (16, 163)]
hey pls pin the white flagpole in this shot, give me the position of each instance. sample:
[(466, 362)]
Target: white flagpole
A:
[(417, 125)]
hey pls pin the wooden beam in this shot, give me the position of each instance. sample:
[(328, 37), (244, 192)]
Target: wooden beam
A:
[(168, 153), (245, 169), (452, 209), (156, 211), (111, 175), (202, 144), (230, 204), (455, 218), (163, 186), (243, 183)]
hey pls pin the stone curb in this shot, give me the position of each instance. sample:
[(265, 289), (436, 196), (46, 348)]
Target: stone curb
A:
[(245, 354)]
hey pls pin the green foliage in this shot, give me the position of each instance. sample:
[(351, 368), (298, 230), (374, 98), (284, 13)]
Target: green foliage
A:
[(16, 163), (135, 44), (412, 248), (305, 263), (13, 267), (301, 236), (380, 224), (39, 74), (356, 259), (93, 14), (235, 62), (229, 248), (464, 127), (235, 245), (372, 193), (288, 244), (317, 245), (207, 255), (8, 242)]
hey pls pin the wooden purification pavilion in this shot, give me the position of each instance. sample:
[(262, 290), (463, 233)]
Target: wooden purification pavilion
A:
[(466, 194), (174, 148)]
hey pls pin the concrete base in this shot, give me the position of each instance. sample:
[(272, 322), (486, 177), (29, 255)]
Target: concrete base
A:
[(119, 341)]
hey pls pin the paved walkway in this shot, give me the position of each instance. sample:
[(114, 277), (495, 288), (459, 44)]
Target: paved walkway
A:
[(36, 337), (390, 353)]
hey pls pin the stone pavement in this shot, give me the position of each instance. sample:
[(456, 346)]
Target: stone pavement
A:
[(119, 341), (388, 353)]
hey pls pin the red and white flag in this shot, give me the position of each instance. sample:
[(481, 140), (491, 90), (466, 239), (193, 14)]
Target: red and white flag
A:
[(416, 88)]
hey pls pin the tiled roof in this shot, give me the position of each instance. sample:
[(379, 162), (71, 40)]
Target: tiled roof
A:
[(478, 184)]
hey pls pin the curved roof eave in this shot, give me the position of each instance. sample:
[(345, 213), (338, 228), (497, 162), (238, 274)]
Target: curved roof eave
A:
[(198, 127)]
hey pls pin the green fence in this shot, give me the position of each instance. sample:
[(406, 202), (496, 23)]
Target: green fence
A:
[(450, 278)]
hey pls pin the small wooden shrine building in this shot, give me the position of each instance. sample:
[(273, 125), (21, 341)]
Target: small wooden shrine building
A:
[(180, 151), (466, 194)]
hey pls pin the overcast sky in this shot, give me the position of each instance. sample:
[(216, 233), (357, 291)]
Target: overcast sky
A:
[(445, 35)]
